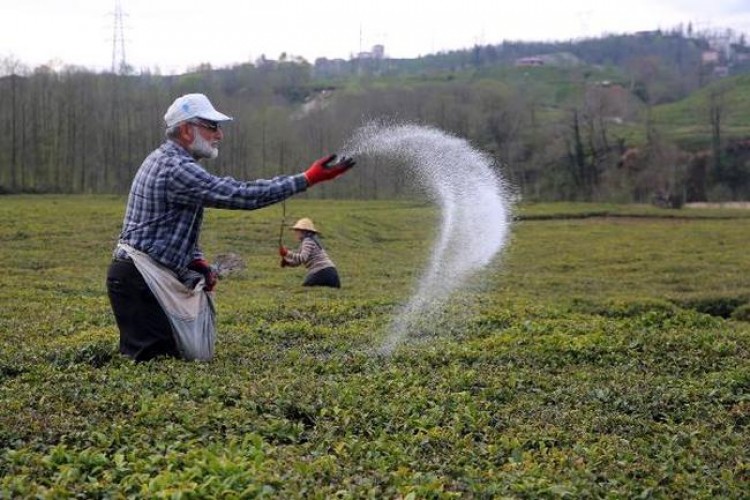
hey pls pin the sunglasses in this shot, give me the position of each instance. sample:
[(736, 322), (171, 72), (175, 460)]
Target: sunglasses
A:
[(212, 126)]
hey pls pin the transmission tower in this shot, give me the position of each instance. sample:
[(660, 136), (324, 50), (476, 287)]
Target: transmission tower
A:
[(119, 63)]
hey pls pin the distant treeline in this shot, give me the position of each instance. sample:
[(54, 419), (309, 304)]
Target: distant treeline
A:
[(561, 131)]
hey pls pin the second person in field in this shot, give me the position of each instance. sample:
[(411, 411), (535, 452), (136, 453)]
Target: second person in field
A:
[(321, 270)]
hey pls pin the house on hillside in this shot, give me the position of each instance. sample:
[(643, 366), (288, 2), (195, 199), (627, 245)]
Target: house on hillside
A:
[(530, 61), (377, 52), (721, 71), (740, 53), (710, 57)]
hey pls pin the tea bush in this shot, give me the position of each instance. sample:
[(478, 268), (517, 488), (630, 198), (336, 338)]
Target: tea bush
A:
[(586, 363)]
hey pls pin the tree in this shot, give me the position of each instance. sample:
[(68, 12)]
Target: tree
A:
[(716, 110)]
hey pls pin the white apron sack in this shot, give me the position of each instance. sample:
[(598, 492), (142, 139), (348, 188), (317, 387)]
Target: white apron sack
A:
[(191, 312)]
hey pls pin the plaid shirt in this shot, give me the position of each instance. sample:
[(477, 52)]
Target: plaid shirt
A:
[(169, 191)]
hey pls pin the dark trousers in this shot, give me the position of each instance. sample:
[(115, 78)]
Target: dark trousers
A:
[(145, 331), (325, 277)]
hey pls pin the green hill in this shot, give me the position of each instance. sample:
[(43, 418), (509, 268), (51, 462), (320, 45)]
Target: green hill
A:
[(688, 120)]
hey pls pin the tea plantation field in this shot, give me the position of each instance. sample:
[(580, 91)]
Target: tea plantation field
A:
[(605, 354)]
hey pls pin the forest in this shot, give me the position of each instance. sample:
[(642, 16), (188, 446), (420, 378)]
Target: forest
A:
[(655, 117)]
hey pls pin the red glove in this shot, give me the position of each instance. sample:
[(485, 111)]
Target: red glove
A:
[(283, 250), (203, 267), (325, 169)]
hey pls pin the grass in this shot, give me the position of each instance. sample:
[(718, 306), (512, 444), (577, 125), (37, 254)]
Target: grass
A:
[(604, 355)]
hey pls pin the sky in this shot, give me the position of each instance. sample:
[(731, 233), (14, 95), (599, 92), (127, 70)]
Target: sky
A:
[(171, 36)]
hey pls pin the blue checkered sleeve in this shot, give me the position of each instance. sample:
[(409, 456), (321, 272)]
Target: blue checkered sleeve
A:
[(192, 184)]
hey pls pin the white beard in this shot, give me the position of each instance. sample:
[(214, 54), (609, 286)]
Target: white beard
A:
[(201, 148)]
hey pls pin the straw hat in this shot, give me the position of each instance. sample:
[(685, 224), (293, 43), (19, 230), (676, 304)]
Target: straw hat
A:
[(305, 224)]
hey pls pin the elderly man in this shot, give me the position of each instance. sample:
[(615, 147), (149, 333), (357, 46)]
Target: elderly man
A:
[(159, 238)]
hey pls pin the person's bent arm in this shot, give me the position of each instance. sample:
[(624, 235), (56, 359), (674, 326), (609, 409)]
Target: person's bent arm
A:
[(296, 258)]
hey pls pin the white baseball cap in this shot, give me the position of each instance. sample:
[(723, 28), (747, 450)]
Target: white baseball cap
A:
[(193, 106)]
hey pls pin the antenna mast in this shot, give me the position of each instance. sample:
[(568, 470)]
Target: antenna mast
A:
[(119, 64)]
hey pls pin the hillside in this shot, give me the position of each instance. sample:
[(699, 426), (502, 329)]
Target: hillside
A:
[(688, 121), (557, 118)]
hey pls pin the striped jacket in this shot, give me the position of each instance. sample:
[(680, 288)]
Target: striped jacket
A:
[(312, 255)]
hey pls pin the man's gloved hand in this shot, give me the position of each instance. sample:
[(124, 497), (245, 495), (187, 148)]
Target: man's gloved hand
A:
[(327, 168), (203, 267), (283, 250), (283, 262)]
